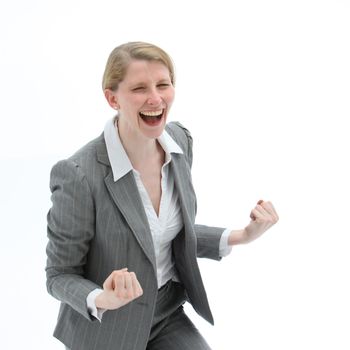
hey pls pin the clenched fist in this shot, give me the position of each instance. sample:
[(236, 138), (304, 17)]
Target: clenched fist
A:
[(263, 216), (120, 288)]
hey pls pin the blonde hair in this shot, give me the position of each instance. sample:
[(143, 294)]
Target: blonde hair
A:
[(119, 60)]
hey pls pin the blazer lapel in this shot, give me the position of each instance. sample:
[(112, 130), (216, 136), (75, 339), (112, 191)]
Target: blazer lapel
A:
[(126, 196), (185, 247), (183, 184)]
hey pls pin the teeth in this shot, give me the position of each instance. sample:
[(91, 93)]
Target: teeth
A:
[(152, 113)]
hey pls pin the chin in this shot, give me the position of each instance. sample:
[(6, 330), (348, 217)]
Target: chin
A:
[(153, 134)]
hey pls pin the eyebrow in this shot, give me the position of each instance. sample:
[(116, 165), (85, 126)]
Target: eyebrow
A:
[(164, 80)]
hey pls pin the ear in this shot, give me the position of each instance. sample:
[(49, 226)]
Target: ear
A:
[(111, 98)]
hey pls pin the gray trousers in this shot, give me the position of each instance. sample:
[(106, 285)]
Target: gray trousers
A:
[(171, 328)]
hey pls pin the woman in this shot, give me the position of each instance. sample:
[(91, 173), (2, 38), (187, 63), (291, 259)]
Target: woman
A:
[(123, 244)]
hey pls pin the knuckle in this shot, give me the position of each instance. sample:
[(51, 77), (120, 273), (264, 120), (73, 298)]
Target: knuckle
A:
[(273, 219), (117, 273)]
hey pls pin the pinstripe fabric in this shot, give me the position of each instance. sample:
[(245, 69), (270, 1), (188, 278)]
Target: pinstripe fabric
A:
[(178, 333), (171, 328), (96, 226)]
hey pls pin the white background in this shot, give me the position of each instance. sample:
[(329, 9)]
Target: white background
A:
[(263, 86)]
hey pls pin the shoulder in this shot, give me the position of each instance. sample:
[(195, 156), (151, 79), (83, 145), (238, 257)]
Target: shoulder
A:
[(85, 160), (89, 151), (182, 136)]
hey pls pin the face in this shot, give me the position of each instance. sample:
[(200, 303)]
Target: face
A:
[(144, 98)]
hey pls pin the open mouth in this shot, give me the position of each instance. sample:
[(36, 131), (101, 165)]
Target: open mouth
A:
[(152, 117)]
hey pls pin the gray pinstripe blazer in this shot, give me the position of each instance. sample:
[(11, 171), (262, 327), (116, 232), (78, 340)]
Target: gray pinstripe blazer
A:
[(96, 226)]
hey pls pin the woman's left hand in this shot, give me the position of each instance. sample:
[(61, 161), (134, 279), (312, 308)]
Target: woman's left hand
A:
[(263, 216)]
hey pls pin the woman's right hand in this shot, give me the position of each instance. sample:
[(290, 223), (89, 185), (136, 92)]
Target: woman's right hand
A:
[(120, 288)]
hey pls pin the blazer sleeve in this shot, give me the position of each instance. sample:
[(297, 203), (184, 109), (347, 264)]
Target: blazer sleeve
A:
[(70, 229), (208, 237), (208, 241)]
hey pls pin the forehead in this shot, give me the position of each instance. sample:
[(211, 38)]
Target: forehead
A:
[(143, 70)]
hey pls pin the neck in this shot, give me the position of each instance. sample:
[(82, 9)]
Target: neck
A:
[(140, 149)]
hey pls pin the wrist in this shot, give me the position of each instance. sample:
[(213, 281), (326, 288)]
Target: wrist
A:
[(236, 237), (100, 301)]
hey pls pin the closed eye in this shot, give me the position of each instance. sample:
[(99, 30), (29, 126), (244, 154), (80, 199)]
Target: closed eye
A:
[(163, 85), (139, 88)]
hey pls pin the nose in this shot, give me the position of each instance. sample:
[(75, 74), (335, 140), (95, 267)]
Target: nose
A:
[(154, 98)]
